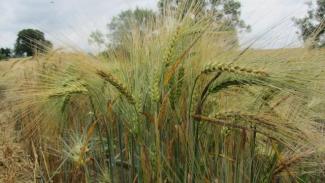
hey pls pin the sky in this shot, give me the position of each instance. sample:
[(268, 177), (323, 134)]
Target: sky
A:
[(68, 23)]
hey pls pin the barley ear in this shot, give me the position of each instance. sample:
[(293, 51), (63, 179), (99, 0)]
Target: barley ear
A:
[(180, 82), (169, 52), (154, 88), (233, 69), (172, 95), (119, 86)]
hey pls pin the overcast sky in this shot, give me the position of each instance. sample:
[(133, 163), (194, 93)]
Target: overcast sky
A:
[(69, 22)]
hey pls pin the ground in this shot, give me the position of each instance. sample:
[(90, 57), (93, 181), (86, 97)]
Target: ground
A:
[(15, 164)]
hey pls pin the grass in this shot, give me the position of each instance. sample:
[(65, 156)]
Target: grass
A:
[(174, 107)]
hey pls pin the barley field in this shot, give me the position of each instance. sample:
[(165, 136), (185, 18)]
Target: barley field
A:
[(178, 103)]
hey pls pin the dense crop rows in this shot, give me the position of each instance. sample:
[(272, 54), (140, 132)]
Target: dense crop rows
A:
[(172, 105)]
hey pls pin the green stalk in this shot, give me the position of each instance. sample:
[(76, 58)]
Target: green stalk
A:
[(253, 145), (196, 123), (158, 156), (120, 131)]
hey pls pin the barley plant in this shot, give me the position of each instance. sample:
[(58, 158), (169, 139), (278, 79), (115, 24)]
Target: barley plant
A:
[(178, 103)]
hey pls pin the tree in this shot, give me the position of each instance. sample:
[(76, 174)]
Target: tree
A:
[(225, 12), (121, 25), (31, 42), (97, 38), (5, 53), (312, 27), (124, 22)]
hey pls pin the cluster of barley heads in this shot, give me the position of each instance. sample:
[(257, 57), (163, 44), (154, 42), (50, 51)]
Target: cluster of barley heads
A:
[(171, 105)]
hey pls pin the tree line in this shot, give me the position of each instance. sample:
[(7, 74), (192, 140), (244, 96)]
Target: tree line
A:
[(226, 14), (29, 42)]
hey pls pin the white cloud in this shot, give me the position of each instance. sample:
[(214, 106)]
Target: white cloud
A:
[(69, 22)]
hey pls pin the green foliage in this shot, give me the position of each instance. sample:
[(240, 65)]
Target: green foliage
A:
[(225, 15), (5, 53), (97, 38), (128, 20), (224, 12), (312, 27), (121, 25), (31, 42)]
